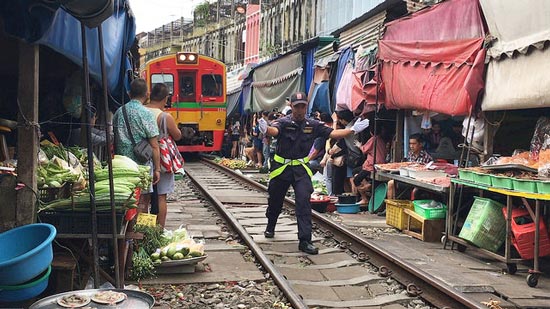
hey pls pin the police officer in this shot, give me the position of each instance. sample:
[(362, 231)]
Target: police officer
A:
[(295, 135)]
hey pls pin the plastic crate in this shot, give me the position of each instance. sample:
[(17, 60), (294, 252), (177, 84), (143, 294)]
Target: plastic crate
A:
[(485, 225), (502, 182), (397, 218), (50, 194), (523, 234), (543, 186), (484, 179), (425, 209), (465, 174), (525, 185), (69, 222)]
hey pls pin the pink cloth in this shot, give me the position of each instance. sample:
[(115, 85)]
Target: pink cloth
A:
[(368, 150)]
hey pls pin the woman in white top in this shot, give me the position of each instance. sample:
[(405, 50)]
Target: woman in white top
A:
[(159, 97)]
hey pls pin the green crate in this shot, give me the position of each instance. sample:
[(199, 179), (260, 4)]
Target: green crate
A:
[(543, 187), (395, 216), (425, 209), (502, 182), (482, 178), (485, 225), (465, 174), (525, 185)]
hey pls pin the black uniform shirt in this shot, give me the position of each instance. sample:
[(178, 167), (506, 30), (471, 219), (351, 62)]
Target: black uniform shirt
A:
[(296, 138)]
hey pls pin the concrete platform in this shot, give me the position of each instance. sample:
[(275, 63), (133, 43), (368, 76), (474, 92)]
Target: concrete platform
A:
[(467, 271)]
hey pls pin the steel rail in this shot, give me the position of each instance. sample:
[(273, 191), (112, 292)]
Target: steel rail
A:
[(283, 284), (403, 272)]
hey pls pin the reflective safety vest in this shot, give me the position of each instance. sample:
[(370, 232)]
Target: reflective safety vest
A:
[(292, 162)]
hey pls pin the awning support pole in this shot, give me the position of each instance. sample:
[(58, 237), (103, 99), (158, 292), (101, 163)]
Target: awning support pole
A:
[(91, 176), (109, 143)]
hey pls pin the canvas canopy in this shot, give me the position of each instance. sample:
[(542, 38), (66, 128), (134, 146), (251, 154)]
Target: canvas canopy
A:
[(434, 60), (276, 80), (519, 61)]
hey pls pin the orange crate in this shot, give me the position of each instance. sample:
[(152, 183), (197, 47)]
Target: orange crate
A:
[(396, 217)]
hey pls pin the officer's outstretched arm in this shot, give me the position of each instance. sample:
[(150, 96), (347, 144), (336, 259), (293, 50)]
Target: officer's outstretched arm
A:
[(340, 133)]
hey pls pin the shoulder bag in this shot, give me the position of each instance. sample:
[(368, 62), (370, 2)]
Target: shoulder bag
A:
[(171, 160), (142, 150)]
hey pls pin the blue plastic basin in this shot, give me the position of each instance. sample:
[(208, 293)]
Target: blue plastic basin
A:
[(16, 293), (348, 208), (25, 252)]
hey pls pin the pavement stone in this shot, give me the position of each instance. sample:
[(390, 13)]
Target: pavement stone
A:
[(345, 272), (392, 306), (240, 199), (278, 260), (330, 258), (203, 227), (219, 245), (263, 221), (377, 289), (253, 208), (278, 229), (351, 292), (302, 274), (307, 292)]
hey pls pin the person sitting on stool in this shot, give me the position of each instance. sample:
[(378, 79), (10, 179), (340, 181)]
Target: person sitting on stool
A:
[(295, 135)]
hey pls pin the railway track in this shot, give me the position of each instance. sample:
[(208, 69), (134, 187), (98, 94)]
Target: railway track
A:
[(349, 270)]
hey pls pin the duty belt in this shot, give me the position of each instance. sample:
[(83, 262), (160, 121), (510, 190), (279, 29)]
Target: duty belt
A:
[(286, 162)]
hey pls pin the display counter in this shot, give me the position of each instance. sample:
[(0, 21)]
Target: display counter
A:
[(413, 182)]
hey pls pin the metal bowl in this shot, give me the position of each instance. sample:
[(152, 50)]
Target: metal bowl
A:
[(8, 123)]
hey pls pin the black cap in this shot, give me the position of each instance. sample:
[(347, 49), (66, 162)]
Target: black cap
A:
[(298, 98)]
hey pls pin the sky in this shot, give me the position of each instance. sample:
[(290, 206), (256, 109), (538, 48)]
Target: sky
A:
[(151, 14)]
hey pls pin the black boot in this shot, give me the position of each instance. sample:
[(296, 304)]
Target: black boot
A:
[(270, 228), (307, 247), (269, 234)]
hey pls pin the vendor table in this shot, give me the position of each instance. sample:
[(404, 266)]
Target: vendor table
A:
[(534, 274), (414, 182)]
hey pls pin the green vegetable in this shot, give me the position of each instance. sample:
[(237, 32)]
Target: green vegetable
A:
[(152, 238), (142, 265)]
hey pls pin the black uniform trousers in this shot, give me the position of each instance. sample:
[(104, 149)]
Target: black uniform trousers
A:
[(277, 189)]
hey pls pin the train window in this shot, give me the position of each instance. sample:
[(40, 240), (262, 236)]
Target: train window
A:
[(168, 79), (212, 85), (187, 85)]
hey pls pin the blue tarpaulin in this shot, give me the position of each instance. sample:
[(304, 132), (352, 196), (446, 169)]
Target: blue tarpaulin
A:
[(320, 99), (47, 24)]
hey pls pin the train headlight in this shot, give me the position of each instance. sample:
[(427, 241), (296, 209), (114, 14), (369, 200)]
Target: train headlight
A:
[(219, 121), (187, 58)]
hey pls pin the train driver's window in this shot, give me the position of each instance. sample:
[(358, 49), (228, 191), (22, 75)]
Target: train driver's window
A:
[(187, 86), (165, 78), (212, 85)]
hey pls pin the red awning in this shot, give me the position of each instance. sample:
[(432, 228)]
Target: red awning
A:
[(448, 84), (433, 60)]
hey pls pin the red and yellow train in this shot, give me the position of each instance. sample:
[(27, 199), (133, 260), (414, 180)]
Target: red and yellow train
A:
[(197, 85)]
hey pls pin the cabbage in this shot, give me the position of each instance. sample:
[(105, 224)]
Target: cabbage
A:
[(124, 162)]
